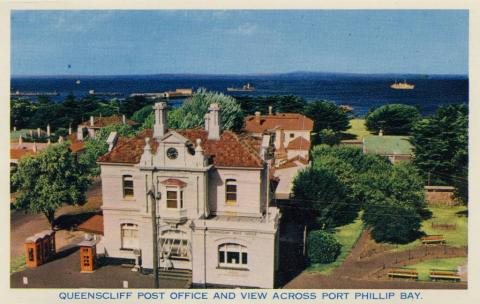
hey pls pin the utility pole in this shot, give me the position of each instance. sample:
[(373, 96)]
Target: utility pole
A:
[(154, 195)]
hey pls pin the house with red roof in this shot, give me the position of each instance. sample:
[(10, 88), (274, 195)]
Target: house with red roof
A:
[(208, 193), (95, 124), (290, 133)]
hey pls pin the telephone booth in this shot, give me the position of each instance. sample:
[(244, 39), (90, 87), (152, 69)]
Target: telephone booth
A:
[(88, 255), (33, 251)]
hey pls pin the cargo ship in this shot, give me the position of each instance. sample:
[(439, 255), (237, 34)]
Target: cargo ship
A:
[(246, 88), (402, 86)]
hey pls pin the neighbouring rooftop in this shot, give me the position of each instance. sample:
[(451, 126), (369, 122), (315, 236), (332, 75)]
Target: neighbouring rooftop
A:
[(387, 145), (100, 122), (286, 121)]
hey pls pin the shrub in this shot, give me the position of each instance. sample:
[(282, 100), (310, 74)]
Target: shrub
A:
[(322, 247)]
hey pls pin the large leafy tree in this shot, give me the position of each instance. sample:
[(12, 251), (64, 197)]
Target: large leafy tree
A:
[(374, 184), (20, 112), (328, 120), (440, 145), (49, 180), (393, 119), (191, 113), (323, 198)]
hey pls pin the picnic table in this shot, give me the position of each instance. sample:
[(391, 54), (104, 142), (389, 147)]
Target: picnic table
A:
[(440, 274), (433, 239), (406, 273)]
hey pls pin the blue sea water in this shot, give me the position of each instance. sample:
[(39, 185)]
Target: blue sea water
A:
[(359, 91)]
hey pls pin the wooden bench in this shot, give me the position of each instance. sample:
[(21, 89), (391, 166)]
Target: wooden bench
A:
[(450, 275), (403, 273), (433, 239)]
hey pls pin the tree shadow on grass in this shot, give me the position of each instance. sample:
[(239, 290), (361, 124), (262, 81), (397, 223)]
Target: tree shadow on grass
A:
[(463, 213)]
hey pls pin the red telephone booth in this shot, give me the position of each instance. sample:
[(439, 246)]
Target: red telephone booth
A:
[(88, 255), (33, 251)]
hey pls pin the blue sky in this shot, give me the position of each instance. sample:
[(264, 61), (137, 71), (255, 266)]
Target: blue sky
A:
[(238, 41)]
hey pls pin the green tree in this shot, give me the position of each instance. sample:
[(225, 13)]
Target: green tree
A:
[(393, 119), (328, 120), (440, 147), (322, 247), (21, 110), (191, 113), (96, 147), (323, 197), (279, 104), (141, 115), (49, 180), (391, 221)]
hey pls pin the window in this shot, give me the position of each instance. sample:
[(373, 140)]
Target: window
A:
[(129, 236), (174, 197), (292, 135), (175, 245), (127, 186), (30, 254), (232, 255), (231, 192)]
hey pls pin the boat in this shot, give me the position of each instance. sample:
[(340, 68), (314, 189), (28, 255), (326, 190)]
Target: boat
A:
[(78, 82), (246, 88), (402, 86)]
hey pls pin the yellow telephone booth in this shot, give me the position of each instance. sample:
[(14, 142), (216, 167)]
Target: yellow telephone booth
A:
[(88, 255)]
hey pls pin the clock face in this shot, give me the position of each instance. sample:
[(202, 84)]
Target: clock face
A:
[(172, 153)]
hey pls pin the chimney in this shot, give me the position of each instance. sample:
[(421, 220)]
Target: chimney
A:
[(380, 133), (34, 148), (38, 132), (14, 128), (80, 133), (20, 140), (207, 120), (257, 117), (270, 110), (91, 121), (60, 139), (124, 120), (48, 130), (31, 133), (199, 156), (70, 129), (214, 122), (48, 142), (112, 140), (160, 126)]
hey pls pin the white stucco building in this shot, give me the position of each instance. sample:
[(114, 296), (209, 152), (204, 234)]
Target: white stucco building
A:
[(213, 213)]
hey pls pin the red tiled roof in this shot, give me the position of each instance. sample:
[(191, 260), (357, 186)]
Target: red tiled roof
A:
[(16, 154), (291, 162), (173, 182), (99, 122), (299, 143), (76, 145), (232, 150), (286, 121), (92, 225)]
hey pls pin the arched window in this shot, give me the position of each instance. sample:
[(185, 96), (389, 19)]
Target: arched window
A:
[(232, 255), (231, 191), (129, 235), (127, 184)]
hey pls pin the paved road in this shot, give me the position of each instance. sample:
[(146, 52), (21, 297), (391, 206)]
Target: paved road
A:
[(65, 273)]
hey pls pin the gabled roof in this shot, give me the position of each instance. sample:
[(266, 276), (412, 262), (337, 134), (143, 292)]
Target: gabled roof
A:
[(100, 122), (173, 182), (299, 143), (231, 150), (286, 121)]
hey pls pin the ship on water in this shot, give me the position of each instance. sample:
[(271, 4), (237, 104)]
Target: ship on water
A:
[(246, 88), (402, 86)]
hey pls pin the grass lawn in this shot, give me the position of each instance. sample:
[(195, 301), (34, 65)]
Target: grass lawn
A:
[(14, 135), (443, 215), (17, 264), (347, 236), (358, 129), (424, 267)]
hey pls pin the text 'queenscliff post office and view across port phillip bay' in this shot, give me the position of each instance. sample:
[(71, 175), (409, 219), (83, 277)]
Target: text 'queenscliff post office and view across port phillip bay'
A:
[(210, 152)]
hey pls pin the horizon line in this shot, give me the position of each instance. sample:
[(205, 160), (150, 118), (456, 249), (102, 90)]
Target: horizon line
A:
[(239, 74)]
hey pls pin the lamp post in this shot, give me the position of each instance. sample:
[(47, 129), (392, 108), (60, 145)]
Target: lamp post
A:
[(155, 196)]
